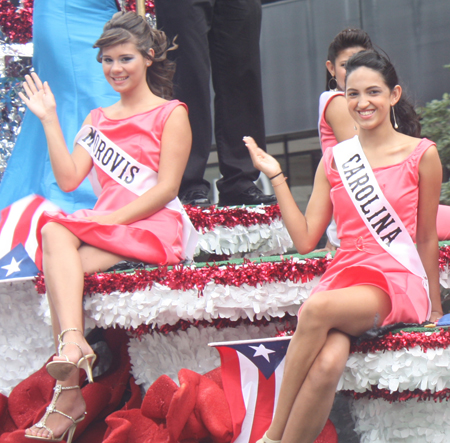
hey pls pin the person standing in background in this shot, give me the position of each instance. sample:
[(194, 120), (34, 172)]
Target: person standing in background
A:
[(218, 37)]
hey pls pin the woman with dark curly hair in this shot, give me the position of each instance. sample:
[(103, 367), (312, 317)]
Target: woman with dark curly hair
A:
[(136, 150)]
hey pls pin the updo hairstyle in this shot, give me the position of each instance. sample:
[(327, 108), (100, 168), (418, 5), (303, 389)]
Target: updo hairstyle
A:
[(127, 27), (348, 38)]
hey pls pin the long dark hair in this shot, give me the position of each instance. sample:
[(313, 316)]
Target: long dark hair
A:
[(348, 38), (127, 27), (407, 119)]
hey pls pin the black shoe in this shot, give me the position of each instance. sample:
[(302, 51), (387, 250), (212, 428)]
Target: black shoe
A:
[(251, 196), (196, 197)]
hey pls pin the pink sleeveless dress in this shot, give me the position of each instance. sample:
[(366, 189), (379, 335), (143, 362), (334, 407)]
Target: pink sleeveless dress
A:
[(326, 134), (360, 260), (328, 140), (156, 239)]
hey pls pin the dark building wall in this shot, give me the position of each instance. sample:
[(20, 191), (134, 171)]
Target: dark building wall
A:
[(295, 38)]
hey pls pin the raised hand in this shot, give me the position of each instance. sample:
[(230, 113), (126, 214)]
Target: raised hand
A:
[(262, 161), (38, 97)]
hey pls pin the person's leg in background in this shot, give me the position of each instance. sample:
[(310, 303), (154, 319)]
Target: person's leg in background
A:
[(190, 21), (238, 105)]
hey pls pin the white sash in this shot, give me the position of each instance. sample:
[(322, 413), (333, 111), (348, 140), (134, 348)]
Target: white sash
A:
[(377, 213), (129, 173)]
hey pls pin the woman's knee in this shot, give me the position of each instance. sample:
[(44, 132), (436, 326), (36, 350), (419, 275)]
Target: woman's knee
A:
[(314, 311), (329, 365), (55, 235)]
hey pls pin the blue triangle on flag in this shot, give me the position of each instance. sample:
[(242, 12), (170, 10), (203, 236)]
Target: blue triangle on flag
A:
[(265, 355), (17, 264)]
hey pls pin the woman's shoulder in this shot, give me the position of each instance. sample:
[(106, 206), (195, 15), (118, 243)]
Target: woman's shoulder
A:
[(326, 98), (173, 109), (335, 105), (170, 105), (93, 117), (327, 95), (418, 147), (423, 148), (421, 145)]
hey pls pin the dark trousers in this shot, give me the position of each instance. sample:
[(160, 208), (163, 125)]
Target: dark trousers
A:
[(221, 38)]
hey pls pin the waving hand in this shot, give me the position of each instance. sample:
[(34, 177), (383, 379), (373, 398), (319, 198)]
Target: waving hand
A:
[(38, 97), (262, 161)]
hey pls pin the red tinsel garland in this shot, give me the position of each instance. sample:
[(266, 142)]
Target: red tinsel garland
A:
[(444, 256), (394, 342), (402, 340), (183, 325), (251, 273), (396, 396), (17, 23), (130, 5), (185, 278), (206, 219)]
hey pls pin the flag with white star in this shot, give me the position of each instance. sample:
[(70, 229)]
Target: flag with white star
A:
[(17, 265), (20, 223), (252, 371)]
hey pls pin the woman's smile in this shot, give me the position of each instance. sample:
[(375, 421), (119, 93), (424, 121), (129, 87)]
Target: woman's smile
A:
[(124, 66), (368, 97)]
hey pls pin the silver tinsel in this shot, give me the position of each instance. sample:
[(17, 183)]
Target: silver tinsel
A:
[(15, 62)]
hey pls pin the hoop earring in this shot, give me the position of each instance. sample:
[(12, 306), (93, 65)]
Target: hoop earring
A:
[(395, 120), (332, 88)]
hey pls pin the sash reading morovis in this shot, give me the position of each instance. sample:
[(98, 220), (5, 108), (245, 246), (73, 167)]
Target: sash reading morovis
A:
[(129, 173), (377, 213)]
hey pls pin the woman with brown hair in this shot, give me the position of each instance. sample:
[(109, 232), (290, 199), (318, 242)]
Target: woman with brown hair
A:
[(137, 150)]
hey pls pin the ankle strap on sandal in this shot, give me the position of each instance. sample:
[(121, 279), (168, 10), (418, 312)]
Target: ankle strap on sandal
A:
[(59, 388), (61, 334)]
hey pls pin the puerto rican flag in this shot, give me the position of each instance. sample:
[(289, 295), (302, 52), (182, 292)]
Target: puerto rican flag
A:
[(252, 371), (19, 225)]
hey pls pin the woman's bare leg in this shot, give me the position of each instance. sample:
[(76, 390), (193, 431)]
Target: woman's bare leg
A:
[(65, 261), (64, 277), (55, 323), (350, 310), (313, 404)]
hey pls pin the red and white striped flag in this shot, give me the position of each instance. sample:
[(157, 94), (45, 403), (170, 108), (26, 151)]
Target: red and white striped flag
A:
[(20, 223), (252, 371)]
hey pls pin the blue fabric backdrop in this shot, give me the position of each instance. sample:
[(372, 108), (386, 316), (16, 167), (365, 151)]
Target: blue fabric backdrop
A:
[(63, 34)]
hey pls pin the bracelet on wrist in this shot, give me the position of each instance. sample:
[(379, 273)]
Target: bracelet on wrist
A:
[(276, 175), (278, 184)]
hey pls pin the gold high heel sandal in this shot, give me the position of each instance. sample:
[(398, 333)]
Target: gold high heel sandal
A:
[(61, 370), (51, 409)]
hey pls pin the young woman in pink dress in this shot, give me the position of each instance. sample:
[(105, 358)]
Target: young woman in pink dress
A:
[(335, 122), (364, 286), (145, 128)]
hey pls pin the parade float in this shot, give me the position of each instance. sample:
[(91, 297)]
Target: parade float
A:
[(151, 326)]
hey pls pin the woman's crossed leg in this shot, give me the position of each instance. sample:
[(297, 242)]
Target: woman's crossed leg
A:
[(317, 355)]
